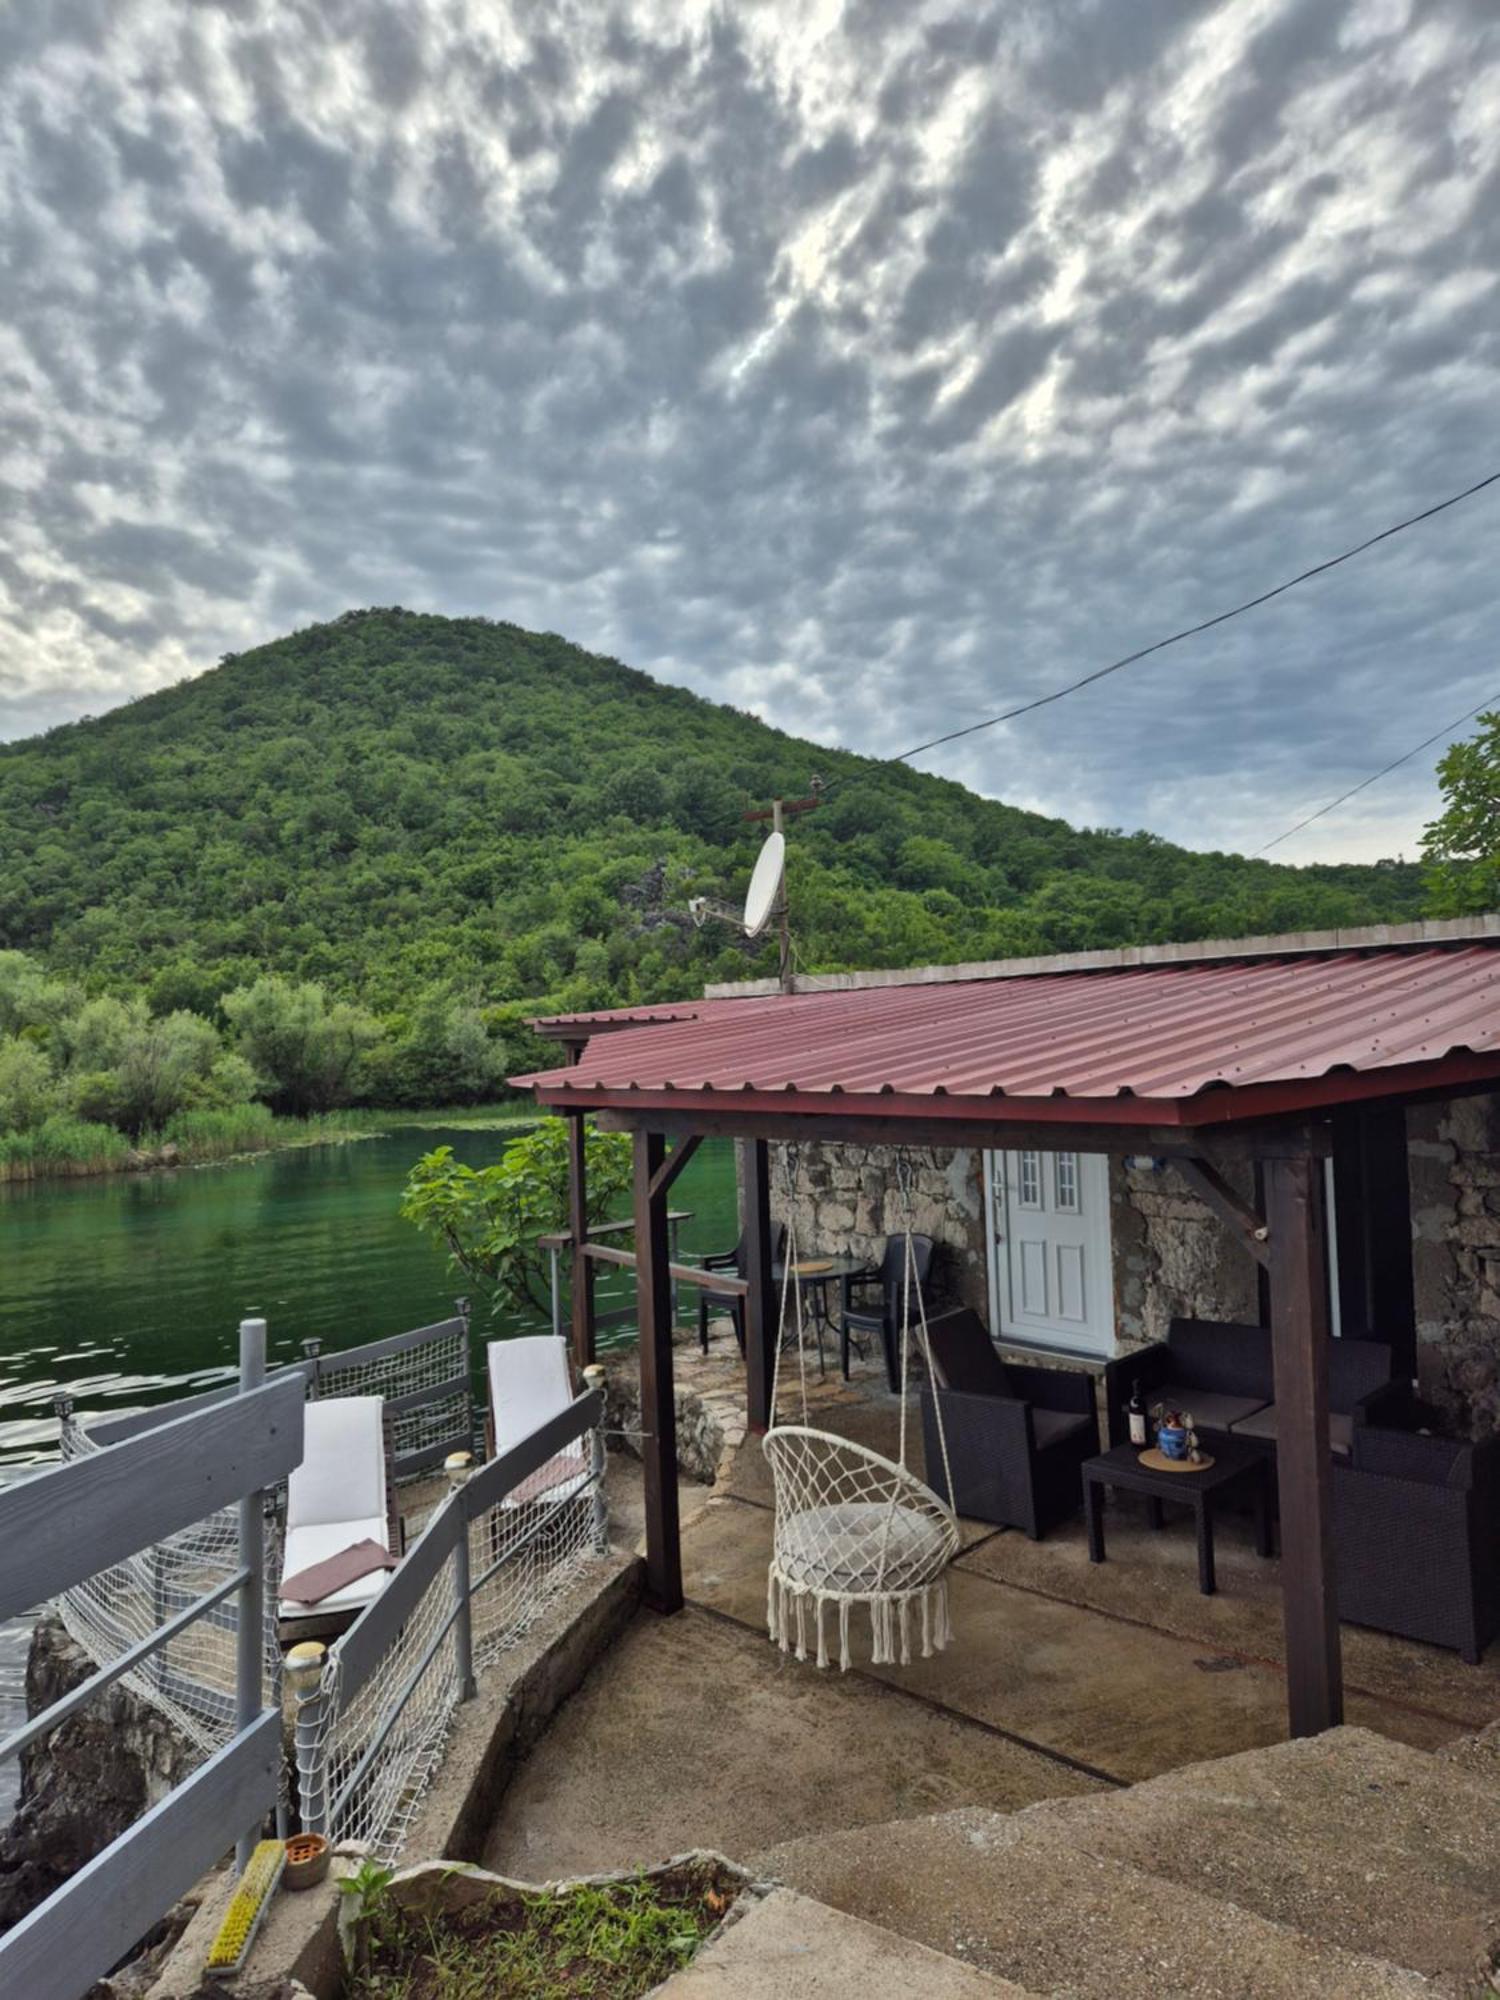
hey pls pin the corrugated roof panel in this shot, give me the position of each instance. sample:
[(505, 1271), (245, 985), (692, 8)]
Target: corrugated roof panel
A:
[(1159, 1033)]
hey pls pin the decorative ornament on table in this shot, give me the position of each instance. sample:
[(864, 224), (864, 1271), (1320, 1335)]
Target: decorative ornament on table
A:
[(1171, 1433)]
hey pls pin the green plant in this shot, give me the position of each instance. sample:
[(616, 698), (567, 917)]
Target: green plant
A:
[(489, 1218)]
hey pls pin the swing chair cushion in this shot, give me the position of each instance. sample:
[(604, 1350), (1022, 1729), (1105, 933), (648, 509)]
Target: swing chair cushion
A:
[(844, 1549), (850, 1523)]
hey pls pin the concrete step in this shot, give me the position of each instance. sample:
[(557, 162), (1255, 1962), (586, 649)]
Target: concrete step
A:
[(1478, 1754), (999, 1891), (1355, 1840), (789, 1945)]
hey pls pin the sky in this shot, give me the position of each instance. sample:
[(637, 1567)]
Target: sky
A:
[(871, 366)]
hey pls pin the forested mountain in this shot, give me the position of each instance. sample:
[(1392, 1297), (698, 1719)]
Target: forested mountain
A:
[(393, 803)]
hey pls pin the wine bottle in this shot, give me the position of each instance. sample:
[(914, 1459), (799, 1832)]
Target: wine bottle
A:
[(1135, 1411)]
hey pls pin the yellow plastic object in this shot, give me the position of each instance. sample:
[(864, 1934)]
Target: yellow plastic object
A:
[(247, 1906)]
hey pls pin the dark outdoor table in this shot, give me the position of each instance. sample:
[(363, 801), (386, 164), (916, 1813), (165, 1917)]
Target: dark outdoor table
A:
[(830, 1270), (1235, 1465)]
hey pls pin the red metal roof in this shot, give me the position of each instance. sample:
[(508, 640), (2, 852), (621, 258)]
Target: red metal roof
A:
[(1173, 1042), (610, 1019)]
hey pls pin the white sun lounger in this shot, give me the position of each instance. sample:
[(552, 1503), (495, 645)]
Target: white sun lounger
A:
[(339, 1495), (530, 1381)]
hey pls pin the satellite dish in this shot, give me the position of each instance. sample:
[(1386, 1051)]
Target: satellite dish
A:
[(765, 885)]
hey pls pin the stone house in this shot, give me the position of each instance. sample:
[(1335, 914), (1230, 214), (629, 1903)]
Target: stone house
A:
[(1081, 1256)]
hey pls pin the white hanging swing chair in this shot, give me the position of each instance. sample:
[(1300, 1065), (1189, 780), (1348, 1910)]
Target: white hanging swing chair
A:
[(852, 1527)]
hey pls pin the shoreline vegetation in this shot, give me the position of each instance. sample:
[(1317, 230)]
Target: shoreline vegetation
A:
[(65, 1148)]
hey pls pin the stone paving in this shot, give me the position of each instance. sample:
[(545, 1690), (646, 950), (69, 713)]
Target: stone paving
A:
[(1063, 1678)]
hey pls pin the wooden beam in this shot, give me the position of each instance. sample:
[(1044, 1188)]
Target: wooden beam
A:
[(581, 1282), (760, 1299), (1246, 1226), (675, 1161), (685, 1274), (1299, 1346), (837, 1128), (658, 1403)]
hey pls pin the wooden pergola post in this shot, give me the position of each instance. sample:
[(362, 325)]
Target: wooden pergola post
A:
[(760, 1301), (658, 1404), (1299, 1346), (581, 1283)]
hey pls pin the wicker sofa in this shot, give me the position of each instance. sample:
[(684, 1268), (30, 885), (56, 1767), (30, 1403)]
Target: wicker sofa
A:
[(1417, 1537), (1222, 1374), (1016, 1438)]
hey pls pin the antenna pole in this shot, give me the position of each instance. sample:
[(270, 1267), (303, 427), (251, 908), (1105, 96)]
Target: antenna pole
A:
[(784, 964)]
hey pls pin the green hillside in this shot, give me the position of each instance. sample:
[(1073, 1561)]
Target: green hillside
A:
[(392, 804)]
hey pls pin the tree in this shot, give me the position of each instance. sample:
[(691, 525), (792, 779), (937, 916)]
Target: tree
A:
[(1462, 846), (307, 1049), (27, 1093), (489, 1218)]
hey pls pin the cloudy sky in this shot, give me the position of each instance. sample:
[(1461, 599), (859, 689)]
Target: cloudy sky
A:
[(867, 363)]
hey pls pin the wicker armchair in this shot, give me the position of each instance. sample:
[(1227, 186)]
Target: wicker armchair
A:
[(1017, 1438), (1417, 1537)]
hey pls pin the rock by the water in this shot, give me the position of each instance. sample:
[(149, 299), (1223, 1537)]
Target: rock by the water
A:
[(85, 1783)]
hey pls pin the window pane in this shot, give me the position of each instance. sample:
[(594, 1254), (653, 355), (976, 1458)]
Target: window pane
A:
[(1031, 1180), (1067, 1182)]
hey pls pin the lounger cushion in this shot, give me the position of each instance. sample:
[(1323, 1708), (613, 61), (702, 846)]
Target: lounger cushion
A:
[(342, 1474), (314, 1544), (839, 1548), (529, 1382), (1263, 1425), (1052, 1426), (1209, 1411)]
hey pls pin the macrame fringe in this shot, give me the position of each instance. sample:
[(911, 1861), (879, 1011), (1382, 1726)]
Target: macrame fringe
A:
[(788, 1610)]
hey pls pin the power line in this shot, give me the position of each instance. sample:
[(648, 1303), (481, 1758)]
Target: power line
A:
[(1206, 625), (1365, 783)]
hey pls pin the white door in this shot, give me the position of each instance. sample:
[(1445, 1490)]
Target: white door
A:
[(1050, 1275)]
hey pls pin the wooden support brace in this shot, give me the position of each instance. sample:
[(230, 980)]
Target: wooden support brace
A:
[(674, 1163), (1248, 1228)]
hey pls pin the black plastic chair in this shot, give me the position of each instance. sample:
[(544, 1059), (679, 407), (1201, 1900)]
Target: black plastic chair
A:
[(884, 1317), (730, 1302)]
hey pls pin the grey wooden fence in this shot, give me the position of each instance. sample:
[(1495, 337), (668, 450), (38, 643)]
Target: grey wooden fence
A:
[(67, 1523)]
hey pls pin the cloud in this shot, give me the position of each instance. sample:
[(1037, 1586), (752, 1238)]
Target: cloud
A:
[(873, 367)]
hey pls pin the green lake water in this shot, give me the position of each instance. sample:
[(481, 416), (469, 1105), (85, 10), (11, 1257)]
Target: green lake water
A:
[(128, 1289)]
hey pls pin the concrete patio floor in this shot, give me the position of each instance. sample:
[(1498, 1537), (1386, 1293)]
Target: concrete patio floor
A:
[(1063, 1677)]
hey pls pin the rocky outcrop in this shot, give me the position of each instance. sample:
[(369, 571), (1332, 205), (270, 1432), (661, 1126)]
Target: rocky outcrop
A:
[(85, 1783)]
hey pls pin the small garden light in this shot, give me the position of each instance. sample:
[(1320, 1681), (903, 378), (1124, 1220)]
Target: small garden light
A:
[(458, 1465)]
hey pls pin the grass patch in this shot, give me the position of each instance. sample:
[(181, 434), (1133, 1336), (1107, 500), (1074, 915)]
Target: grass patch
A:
[(609, 1942), (66, 1146)]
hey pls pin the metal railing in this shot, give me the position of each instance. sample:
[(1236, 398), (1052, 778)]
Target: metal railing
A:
[(374, 1712), (69, 1523)]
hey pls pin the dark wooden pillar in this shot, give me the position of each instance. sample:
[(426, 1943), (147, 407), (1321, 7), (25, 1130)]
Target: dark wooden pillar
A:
[(1372, 1214), (1299, 1342), (760, 1301), (581, 1280), (658, 1406)]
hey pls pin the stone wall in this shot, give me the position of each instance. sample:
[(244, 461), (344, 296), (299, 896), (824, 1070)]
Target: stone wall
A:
[(846, 1201), (1454, 1155), (1173, 1257)]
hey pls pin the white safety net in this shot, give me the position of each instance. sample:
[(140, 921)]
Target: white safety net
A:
[(380, 1748), (522, 1558), (190, 1678), (422, 1364)]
